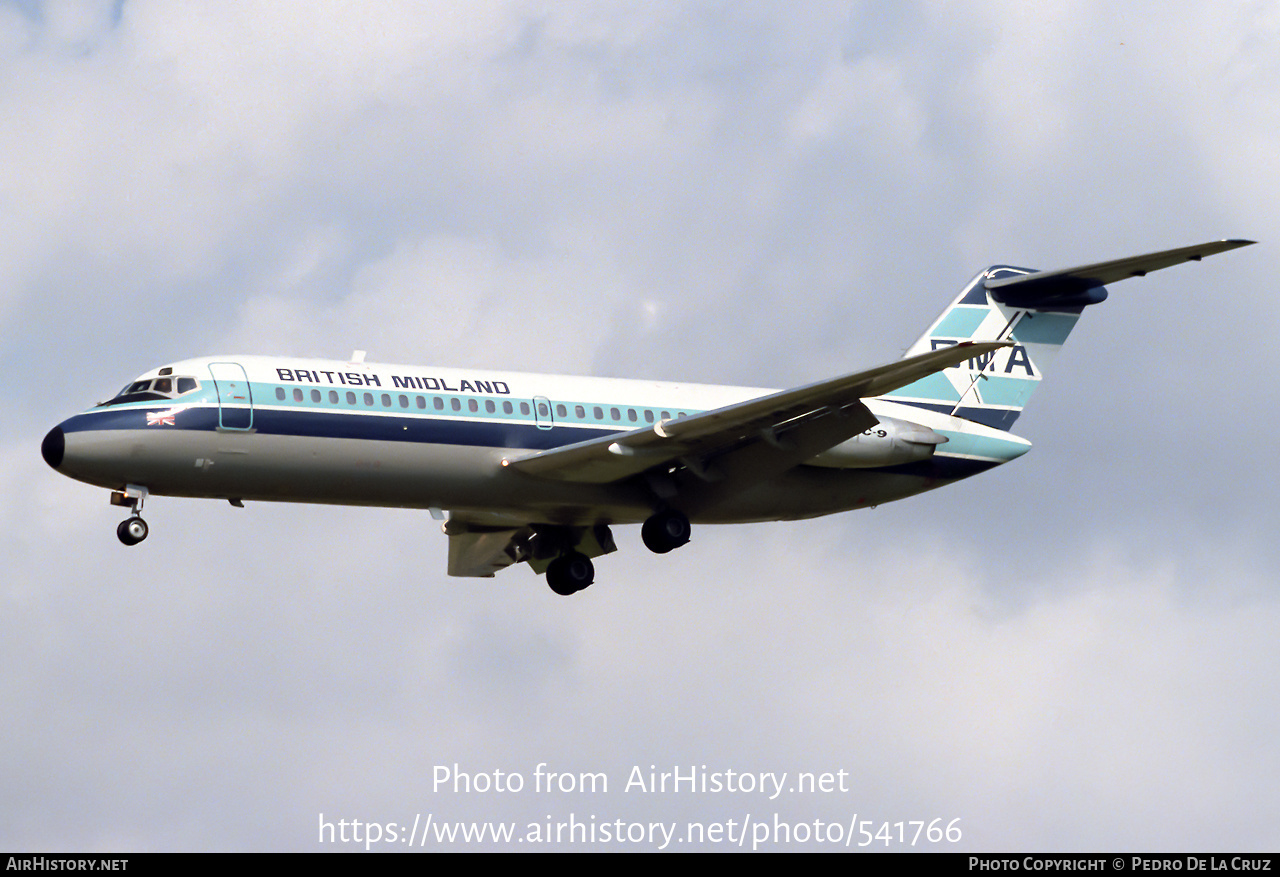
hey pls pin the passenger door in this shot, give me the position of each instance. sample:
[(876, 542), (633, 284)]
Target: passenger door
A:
[(235, 398)]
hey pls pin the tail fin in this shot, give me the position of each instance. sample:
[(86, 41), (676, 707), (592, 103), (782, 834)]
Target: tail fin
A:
[(990, 389), (1036, 310)]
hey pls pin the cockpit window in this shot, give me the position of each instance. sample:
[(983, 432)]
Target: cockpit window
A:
[(151, 390)]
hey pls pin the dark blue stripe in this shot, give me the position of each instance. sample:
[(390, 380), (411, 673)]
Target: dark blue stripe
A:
[(429, 430), (996, 418), (324, 424), (133, 418), (941, 467)]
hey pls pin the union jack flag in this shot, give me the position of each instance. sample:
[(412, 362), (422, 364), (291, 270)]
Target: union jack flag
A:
[(162, 418)]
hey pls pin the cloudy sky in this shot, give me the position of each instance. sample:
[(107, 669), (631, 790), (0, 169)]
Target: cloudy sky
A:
[(1075, 652)]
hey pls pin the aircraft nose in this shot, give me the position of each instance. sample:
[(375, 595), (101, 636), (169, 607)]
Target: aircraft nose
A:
[(53, 447)]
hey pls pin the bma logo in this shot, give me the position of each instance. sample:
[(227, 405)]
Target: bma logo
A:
[(1002, 361)]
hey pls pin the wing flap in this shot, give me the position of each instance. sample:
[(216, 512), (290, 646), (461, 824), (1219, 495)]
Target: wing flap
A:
[(770, 417), (479, 551)]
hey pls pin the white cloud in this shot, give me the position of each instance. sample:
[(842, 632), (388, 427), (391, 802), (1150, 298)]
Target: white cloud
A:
[(1073, 653)]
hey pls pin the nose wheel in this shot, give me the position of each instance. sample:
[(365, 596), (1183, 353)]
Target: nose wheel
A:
[(132, 530)]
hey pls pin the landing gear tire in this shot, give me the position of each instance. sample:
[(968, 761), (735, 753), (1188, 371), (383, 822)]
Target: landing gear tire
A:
[(570, 573), (132, 531), (665, 531)]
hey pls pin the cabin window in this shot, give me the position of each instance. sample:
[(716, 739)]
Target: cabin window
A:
[(386, 400), (404, 401), (598, 412), (631, 414), (421, 401), (524, 408), (666, 415), (489, 406), (315, 395), (297, 394), (280, 393), (473, 406), (333, 397), (368, 399), (437, 403), (455, 404), (560, 411), (506, 408), (648, 416), (580, 412), (351, 398), (615, 414)]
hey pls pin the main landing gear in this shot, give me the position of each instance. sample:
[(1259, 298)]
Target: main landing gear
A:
[(564, 554), (570, 573), (572, 570), (132, 529), (665, 531)]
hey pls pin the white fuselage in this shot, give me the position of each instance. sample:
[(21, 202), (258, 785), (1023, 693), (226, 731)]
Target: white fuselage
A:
[(299, 430)]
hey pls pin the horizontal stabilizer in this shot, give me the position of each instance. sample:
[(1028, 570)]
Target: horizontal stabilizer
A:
[(1073, 287)]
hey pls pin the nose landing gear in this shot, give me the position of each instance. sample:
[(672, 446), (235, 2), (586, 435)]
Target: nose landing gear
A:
[(132, 529)]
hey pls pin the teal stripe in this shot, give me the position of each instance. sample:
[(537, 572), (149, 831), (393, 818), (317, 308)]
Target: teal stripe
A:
[(1006, 391), (264, 395), (935, 386), (960, 322), (981, 446), (1044, 328)]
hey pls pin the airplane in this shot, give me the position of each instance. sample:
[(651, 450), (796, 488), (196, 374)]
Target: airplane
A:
[(538, 468)]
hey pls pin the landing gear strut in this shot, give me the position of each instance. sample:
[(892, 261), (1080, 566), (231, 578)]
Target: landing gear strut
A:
[(132, 529), (665, 531), (570, 573)]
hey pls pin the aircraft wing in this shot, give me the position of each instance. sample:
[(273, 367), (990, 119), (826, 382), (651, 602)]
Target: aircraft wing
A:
[(1045, 287), (777, 418)]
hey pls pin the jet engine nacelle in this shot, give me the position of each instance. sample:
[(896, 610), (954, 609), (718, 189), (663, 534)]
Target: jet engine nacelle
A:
[(888, 443)]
